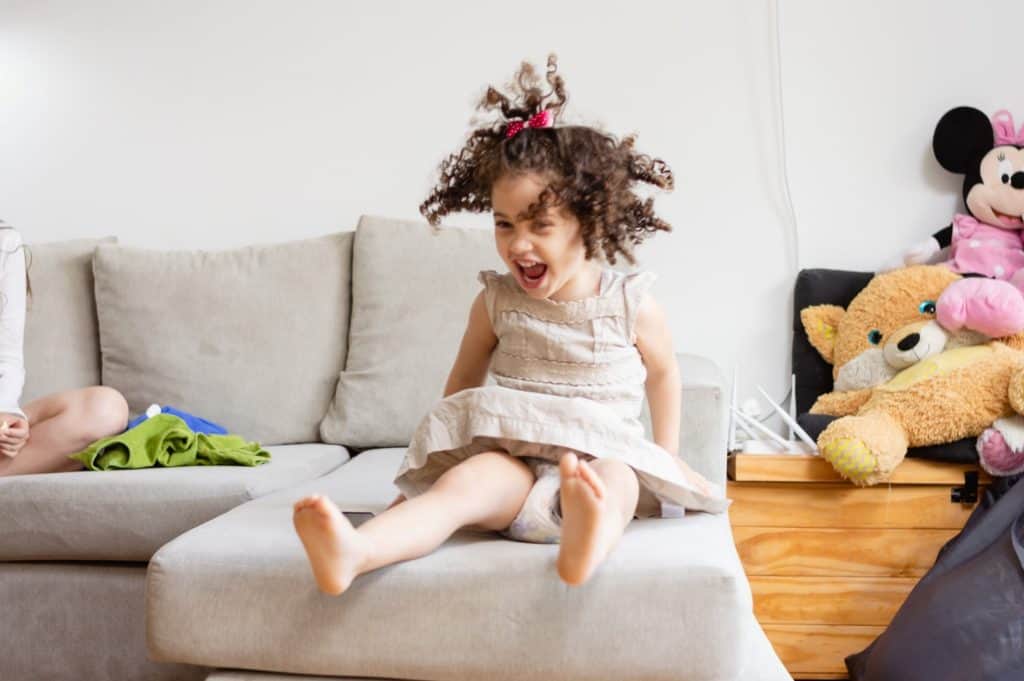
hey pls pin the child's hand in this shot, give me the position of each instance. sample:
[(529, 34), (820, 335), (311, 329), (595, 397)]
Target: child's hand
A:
[(14, 433)]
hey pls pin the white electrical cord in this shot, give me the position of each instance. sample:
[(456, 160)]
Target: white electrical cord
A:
[(789, 212), (780, 119)]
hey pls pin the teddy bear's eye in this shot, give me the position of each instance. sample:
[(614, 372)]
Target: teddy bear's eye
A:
[(927, 307), (874, 336)]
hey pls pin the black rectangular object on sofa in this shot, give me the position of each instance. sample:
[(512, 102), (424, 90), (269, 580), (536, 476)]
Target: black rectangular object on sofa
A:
[(814, 374)]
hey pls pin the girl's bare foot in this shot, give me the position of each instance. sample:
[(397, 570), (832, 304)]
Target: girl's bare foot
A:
[(585, 515), (335, 549)]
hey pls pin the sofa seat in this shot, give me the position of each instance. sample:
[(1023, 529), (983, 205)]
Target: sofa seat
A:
[(671, 601), (128, 515)]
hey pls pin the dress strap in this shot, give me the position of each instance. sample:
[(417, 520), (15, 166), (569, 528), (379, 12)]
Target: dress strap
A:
[(492, 289), (634, 287)]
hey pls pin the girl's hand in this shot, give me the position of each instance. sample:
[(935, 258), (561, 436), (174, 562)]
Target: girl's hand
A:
[(14, 433)]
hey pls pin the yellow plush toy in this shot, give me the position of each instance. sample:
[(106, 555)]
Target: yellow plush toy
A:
[(901, 380)]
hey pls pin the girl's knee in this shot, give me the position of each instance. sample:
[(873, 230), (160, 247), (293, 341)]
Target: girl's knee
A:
[(469, 473), (613, 469), (620, 480), (104, 411)]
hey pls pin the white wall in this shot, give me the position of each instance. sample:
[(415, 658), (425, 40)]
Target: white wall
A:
[(211, 125)]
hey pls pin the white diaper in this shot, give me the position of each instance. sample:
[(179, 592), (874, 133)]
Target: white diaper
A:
[(540, 519)]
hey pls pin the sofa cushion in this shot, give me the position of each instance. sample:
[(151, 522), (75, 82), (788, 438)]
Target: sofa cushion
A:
[(252, 338), (62, 349), (761, 664), (411, 292), (78, 622), (238, 593), (127, 515)]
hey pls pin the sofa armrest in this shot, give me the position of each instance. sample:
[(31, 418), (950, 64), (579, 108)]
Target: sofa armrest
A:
[(703, 424)]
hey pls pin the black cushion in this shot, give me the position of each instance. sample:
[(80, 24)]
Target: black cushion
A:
[(814, 374)]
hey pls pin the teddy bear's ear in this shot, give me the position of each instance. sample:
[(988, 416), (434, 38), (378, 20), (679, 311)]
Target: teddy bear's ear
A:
[(821, 322), (963, 134)]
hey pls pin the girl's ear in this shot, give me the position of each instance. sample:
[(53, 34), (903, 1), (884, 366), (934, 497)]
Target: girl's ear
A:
[(963, 135), (821, 322)]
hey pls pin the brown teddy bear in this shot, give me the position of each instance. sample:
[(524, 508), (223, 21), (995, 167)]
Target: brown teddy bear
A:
[(902, 380)]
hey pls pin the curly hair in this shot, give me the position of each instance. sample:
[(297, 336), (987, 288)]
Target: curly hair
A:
[(589, 172)]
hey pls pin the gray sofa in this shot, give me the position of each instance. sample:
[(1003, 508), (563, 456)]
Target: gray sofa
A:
[(327, 351)]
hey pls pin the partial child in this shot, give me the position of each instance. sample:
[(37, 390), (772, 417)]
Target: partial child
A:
[(39, 438)]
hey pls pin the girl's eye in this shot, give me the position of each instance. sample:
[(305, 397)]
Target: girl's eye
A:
[(927, 307), (874, 336), (502, 225), (1005, 171)]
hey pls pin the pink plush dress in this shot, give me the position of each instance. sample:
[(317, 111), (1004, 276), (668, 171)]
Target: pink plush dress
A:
[(569, 377), (980, 248)]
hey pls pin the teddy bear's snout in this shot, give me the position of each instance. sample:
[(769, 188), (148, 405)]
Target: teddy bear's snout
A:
[(913, 343), (908, 342)]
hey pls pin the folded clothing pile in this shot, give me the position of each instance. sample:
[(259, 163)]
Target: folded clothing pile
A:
[(165, 439)]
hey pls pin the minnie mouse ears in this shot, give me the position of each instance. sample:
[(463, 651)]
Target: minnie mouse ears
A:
[(965, 134)]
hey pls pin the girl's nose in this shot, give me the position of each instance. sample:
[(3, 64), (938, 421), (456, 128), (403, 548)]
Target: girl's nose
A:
[(520, 245)]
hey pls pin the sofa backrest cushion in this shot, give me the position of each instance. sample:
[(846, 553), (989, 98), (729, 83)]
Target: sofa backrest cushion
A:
[(412, 287), (62, 348), (251, 338)]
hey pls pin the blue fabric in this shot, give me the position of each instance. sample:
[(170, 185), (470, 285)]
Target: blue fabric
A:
[(195, 424)]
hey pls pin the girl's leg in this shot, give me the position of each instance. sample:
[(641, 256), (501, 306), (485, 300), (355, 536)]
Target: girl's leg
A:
[(65, 423), (486, 490), (598, 500)]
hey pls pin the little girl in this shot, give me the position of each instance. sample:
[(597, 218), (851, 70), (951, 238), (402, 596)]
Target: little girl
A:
[(555, 451), (39, 438)]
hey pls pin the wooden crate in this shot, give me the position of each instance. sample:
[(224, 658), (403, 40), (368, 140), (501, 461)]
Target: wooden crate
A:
[(830, 563)]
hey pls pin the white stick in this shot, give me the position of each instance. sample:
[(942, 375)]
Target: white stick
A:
[(732, 419), (766, 431), (753, 437), (790, 421), (792, 401)]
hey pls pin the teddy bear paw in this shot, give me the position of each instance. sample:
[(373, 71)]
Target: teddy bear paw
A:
[(851, 457), (997, 456), (990, 306)]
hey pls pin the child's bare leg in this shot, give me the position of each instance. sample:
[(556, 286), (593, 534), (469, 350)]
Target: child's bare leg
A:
[(598, 500), (65, 423), (487, 490)]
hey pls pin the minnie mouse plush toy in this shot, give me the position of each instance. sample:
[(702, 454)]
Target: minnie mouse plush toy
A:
[(986, 244)]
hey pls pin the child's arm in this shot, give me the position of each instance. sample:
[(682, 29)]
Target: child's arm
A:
[(478, 342), (664, 387), (470, 368)]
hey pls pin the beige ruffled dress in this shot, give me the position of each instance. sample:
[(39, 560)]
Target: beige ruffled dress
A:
[(569, 377)]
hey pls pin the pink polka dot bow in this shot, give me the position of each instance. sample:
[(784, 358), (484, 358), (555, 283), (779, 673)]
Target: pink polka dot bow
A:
[(544, 119)]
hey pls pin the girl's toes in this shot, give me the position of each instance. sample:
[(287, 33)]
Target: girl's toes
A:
[(568, 465), (593, 480)]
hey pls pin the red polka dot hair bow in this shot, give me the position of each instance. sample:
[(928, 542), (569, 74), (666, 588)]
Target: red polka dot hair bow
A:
[(544, 119)]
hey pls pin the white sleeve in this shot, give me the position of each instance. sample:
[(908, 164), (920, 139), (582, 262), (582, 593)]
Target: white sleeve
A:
[(12, 321)]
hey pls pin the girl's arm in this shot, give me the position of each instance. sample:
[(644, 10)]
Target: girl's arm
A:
[(664, 387), (12, 322), (478, 342), (470, 368)]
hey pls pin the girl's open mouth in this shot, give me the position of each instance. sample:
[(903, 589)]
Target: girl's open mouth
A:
[(532, 276)]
